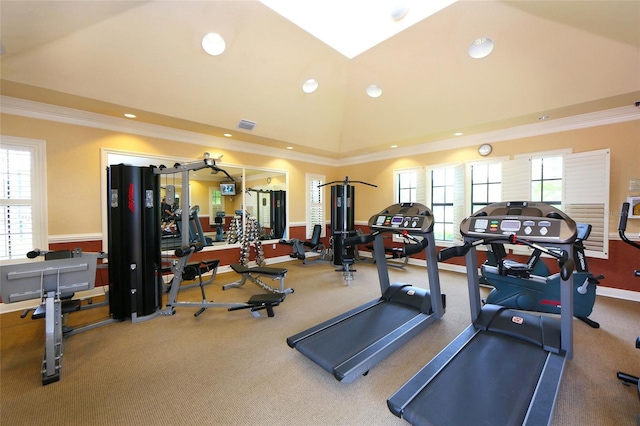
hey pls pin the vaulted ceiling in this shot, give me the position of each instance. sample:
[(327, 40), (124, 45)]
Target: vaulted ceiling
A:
[(551, 58)]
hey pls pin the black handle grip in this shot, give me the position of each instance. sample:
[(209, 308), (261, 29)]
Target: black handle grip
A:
[(411, 249), (567, 269), (455, 251), (624, 214), (33, 253)]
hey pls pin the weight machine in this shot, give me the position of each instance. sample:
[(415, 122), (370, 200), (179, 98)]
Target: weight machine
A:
[(48, 281), (342, 224), (135, 279)]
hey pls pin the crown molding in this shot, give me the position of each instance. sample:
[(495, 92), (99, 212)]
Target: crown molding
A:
[(31, 109), (42, 111), (583, 121)]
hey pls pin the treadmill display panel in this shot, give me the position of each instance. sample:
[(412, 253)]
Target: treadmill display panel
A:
[(411, 217), (537, 222)]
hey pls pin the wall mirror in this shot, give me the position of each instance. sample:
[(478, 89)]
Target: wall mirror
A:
[(255, 192)]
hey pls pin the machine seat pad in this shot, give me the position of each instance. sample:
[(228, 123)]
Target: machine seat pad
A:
[(266, 299), (263, 270)]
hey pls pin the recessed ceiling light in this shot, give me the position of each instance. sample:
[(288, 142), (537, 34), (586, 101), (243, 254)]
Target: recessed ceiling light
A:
[(458, 134), (398, 10), (481, 48), (374, 91), (228, 135), (310, 85), (394, 146), (289, 147), (213, 44), (543, 117), (128, 115)]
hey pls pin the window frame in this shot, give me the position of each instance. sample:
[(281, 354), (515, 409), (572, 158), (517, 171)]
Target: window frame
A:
[(38, 200)]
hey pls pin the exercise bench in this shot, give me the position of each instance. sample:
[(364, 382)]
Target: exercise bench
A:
[(258, 302), (254, 274), (183, 270)]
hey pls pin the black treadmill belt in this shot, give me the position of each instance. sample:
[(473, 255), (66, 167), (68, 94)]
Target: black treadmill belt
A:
[(490, 382), (340, 342)]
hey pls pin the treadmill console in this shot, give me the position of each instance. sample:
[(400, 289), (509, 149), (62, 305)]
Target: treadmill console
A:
[(410, 217), (537, 222)]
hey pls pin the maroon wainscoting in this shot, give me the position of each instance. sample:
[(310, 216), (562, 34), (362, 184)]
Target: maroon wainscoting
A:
[(617, 269)]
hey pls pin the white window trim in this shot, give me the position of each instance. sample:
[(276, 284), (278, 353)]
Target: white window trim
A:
[(40, 215)]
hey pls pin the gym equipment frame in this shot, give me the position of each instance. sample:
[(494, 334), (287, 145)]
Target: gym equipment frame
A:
[(531, 286), (254, 274), (626, 378), (506, 367), (48, 280), (350, 344), (181, 271)]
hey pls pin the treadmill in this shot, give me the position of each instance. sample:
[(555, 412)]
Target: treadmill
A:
[(350, 344), (506, 367)]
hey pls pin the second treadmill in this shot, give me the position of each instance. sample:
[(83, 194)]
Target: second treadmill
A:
[(350, 344), (506, 367)]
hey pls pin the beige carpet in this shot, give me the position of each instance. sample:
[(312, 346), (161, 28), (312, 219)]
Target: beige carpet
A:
[(228, 368)]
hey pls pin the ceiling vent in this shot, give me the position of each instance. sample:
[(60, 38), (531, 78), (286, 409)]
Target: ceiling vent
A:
[(246, 125)]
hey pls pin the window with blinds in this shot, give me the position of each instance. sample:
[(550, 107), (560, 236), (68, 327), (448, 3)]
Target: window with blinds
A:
[(21, 209), (315, 204), (578, 184)]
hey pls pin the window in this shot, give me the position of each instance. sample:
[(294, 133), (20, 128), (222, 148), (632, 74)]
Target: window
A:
[(217, 202), (22, 207), (486, 185), (442, 203), (407, 187), (577, 183), (546, 180), (315, 203)]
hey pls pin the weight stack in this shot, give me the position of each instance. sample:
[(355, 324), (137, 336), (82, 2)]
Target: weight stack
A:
[(342, 220), (135, 282), (278, 213)]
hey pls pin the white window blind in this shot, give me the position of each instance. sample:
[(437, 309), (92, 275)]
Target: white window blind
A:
[(459, 202), (516, 180), (315, 204), (586, 196)]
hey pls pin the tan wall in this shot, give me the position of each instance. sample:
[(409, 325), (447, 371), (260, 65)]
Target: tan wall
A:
[(74, 171), (623, 139)]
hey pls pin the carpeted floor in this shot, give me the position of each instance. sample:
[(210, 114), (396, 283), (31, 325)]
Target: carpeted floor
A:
[(229, 368)]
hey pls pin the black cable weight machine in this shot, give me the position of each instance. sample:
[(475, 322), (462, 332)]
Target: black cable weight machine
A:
[(277, 211), (135, 256), (135, 285), (342, 224)]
